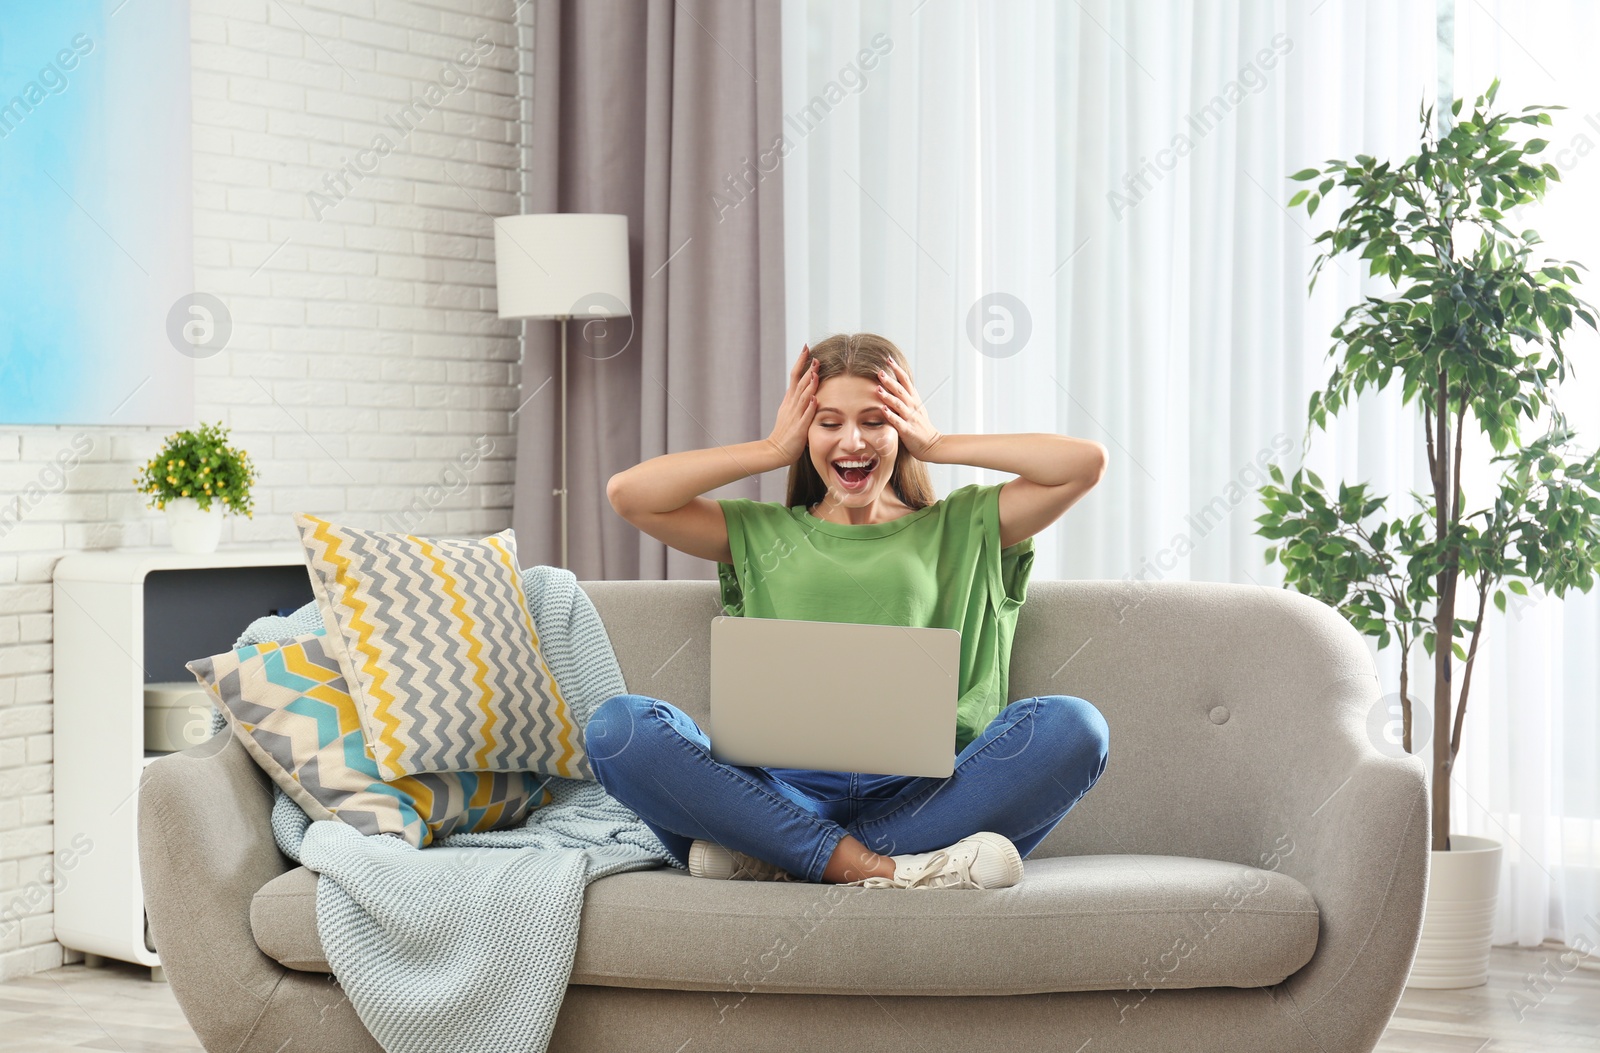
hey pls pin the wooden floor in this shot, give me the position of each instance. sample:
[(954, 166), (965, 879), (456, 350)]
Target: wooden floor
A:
[(1536, 1001), (114, 1007), (117, 1007)]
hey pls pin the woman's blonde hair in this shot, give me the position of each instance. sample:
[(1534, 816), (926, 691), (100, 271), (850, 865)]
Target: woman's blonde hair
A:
[(859, 355)]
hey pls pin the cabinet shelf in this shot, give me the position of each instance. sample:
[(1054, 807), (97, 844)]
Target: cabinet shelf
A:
[(124, 619)]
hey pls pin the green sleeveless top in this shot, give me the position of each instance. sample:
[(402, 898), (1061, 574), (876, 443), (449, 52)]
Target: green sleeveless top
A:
[(938, 567)]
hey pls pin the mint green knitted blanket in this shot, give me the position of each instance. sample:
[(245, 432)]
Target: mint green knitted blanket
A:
[(466, 946)]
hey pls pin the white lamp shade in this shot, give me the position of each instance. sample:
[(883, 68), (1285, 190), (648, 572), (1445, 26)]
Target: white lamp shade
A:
[(562, 265)]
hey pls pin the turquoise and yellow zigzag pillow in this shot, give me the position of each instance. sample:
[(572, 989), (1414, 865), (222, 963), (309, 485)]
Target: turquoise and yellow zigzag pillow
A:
[(440, 652), (286, 703)]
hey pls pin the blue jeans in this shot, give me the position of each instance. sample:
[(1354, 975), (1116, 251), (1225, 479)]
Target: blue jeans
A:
[(1018, 778)]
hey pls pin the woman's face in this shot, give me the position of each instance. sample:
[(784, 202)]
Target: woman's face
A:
[(850, 426)]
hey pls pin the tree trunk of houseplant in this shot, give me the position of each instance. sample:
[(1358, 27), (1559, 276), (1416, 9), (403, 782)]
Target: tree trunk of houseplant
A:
[(1464, 872)]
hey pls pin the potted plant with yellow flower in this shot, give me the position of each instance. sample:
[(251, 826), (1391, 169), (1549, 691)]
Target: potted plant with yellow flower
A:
[(195, 478)]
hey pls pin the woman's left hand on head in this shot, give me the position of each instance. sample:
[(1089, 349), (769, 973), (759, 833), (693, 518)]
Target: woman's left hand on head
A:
[(905, 411)]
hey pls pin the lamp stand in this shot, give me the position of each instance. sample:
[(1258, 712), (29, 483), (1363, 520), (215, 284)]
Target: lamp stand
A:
[(563, 491)]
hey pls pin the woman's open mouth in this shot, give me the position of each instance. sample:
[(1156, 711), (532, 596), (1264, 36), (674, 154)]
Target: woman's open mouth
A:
[(854, 474)]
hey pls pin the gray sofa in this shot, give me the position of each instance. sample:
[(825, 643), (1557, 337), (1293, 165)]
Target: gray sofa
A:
[(1248, 874)]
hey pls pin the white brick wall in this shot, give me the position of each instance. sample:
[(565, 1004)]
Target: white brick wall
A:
[(365, 355)]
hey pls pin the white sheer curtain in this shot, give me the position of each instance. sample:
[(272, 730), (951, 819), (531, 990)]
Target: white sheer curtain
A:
[(1529, 775), (1028, 149), (1120, 170)]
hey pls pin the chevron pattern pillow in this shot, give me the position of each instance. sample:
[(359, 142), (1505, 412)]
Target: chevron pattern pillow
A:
[(287, 705), (440, 652)]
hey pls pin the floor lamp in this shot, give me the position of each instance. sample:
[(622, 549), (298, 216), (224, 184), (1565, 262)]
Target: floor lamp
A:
[(562, 265)]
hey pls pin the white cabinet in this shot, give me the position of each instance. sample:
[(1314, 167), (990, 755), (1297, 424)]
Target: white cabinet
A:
[(124, 619)]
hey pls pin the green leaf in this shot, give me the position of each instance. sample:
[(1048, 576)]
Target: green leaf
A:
[(1304, 174), (1299, 197), (1312, 203), (1517, 587)]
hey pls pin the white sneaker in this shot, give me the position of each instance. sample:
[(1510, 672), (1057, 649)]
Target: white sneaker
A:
[(981, 860), (708, 859)]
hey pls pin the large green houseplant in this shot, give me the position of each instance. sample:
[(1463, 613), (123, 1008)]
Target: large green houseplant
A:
[(1474, 326)]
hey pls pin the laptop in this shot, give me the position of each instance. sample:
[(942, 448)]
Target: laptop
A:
[(834, 696)]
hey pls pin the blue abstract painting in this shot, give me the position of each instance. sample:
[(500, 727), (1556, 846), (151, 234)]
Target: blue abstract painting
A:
[(96, 228)]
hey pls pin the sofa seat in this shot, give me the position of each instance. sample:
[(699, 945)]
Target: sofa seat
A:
[(1074, 923)]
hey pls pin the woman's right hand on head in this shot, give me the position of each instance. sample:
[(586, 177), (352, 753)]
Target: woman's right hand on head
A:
[(798, 408)]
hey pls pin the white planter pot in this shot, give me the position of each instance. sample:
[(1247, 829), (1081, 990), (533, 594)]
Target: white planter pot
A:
[(1463, 889), (192, 530)]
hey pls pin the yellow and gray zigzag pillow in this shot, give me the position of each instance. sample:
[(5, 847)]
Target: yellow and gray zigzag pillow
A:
[(287, 705), (440, 653)]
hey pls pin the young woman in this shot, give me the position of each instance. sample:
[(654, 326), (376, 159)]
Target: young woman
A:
[(862, 539)]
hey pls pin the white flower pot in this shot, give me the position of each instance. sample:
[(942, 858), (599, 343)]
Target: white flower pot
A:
[(1463, 889), (192, 530)]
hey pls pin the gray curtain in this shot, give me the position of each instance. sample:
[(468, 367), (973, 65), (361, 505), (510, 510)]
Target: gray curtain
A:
[(647, 109)]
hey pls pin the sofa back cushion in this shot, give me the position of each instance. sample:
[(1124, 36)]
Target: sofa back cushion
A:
[(1235, 711)]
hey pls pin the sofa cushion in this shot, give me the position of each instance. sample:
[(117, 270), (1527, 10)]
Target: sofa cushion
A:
[(1074, 923), (283, 919), (286, 703), (440, 653)]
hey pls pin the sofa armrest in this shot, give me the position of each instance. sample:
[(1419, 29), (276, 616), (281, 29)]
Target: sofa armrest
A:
[(1361, 843), (1239, 719), (1351, 823), (205, 848)]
